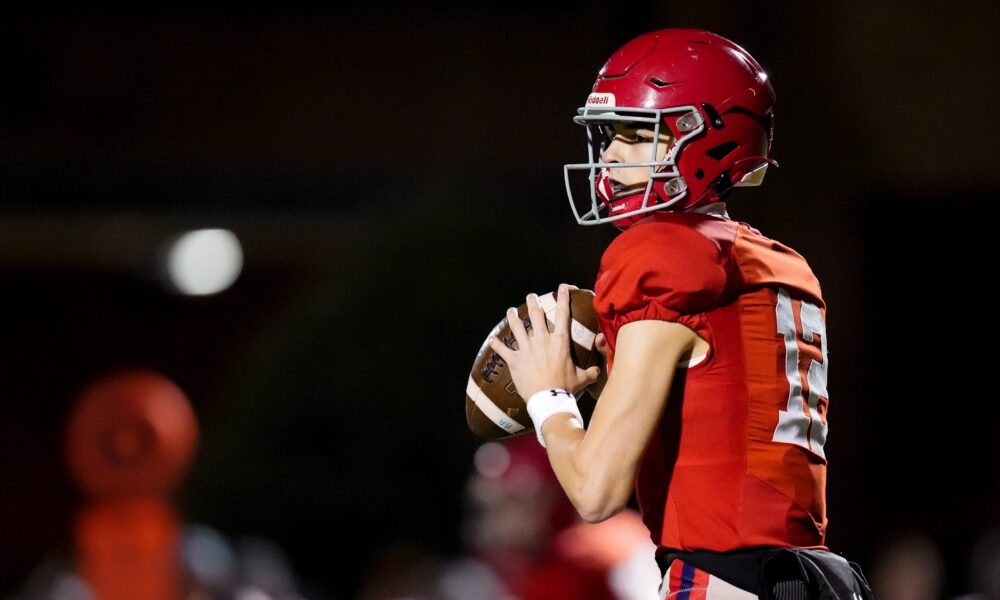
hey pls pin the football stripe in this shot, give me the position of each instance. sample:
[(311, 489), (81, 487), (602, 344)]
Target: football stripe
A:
[(581, 334), (484, 404)]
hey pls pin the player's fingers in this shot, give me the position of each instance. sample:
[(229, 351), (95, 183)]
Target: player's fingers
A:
[(590, 375), (501, 348), (536, 314), (601, 343), (562, 309), (517, 327)]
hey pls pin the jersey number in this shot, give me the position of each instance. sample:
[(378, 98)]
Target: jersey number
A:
[(803, 423)]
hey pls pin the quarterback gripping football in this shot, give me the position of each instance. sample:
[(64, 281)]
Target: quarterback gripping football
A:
[(493, 407)]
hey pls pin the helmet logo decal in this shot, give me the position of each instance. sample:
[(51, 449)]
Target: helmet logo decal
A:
[(601, 100)]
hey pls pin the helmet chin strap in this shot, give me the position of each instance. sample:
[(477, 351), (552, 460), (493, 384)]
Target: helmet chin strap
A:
[(674, 188)]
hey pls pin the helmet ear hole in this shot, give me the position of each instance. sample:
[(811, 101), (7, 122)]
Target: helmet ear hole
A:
[(722, 150)]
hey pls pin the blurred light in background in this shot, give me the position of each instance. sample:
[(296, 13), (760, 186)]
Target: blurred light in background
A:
[(204, 261), (208, 559), (491, 460)]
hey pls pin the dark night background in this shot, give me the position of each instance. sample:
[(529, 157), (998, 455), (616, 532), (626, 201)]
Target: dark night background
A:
[(394, 173)]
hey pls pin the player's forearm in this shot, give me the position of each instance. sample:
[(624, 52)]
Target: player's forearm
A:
[(591, 488)]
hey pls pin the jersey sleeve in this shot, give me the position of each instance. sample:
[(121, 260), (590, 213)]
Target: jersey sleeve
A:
[(662, 271)]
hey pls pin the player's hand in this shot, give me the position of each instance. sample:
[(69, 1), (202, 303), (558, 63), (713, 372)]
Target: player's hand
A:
[(542, 359)]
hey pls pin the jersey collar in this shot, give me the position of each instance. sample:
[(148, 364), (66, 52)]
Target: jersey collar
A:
[(715, 209)]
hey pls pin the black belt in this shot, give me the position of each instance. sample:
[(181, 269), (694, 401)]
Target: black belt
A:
[(738, 567), (777, 573)]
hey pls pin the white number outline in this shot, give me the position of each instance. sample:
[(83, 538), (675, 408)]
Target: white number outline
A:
[(795, 425)]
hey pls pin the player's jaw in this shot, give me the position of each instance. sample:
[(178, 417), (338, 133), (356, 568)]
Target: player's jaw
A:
[(630, 186)]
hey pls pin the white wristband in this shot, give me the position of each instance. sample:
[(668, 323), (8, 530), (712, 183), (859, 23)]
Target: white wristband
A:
[(546, 403)]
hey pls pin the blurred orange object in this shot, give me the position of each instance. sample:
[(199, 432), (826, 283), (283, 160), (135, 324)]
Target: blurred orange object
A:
[(130, 439), (126, 549), (606, 544), (131, 434)]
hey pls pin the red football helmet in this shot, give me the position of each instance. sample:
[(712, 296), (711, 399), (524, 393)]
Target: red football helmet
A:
[(708, 93)]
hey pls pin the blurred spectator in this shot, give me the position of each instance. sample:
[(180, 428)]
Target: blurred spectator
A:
[(265, 571), (910, 567), (399, 571), (524, 541), (55, 579), (251, 569), (984, 568), (213, 568), (521, 526), (208, 563)]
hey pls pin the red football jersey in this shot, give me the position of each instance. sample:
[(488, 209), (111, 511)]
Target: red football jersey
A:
[(737, 460)]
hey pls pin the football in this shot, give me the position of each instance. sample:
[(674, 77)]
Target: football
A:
[(493, 408)]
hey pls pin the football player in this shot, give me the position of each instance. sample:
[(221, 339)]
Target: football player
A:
[(523, 529), (714, 411)]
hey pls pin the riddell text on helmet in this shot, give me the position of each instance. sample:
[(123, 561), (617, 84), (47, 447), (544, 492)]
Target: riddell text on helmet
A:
[(605, 99)]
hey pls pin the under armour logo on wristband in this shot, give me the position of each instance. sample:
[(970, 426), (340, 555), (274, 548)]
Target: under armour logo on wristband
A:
[(542, 405)]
